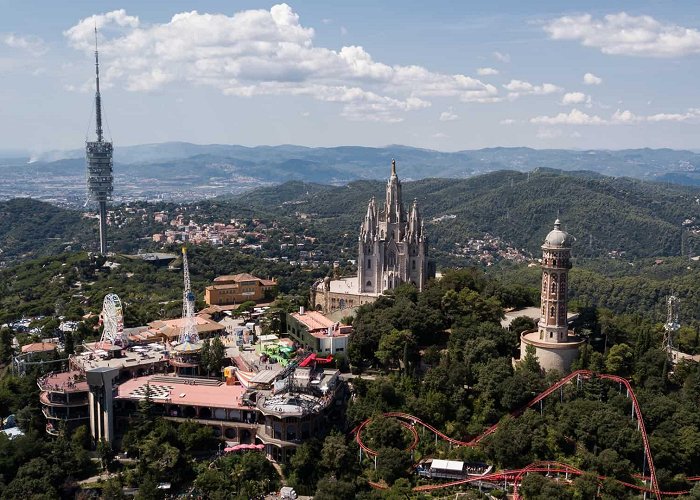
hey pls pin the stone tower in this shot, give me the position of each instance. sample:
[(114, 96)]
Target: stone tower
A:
[(555, 346), (391, 243), (556, 262)]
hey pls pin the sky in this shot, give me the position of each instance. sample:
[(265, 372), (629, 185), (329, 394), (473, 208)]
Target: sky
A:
[(443, 75)]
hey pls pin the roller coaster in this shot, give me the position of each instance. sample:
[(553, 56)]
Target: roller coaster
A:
[(515, 476)]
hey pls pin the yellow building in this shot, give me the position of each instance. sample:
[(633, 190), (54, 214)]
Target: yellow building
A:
[(239, 288)]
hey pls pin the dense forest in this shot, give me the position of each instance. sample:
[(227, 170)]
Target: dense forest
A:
[(442, 356)]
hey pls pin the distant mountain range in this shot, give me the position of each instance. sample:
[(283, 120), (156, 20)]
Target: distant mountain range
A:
[(185, 171)]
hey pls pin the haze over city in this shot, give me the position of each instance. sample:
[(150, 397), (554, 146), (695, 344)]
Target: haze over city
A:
[(443, 75)]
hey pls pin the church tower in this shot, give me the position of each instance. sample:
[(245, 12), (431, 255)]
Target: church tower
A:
[(391, 243), (556, 255)]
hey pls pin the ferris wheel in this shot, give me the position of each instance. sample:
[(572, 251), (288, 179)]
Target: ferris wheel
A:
[(112, 319)]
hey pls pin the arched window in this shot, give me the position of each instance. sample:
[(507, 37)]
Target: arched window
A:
[(414, 264), (544, 282), (368, 284), (553, 284), (562, 285), (369, 263), (551, 312)]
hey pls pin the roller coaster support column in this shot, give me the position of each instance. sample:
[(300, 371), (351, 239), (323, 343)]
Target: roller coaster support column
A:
[(644, 473), (375, 462), (541, 409)]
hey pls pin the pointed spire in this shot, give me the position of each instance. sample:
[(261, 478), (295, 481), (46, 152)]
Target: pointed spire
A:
[(393, 167), (98, 99)]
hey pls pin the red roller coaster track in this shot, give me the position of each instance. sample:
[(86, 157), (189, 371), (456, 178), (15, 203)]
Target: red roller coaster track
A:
[(410, 421)]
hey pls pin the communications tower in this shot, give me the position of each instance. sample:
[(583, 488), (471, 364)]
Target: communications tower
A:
[(673, 308), (99, 162), (188, 334)]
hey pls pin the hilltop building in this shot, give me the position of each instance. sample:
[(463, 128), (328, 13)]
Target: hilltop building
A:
[(239, 288), (391, 251), (555, 345), (315, 332)]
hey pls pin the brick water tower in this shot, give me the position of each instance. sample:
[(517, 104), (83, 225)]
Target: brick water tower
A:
[(555, 345)]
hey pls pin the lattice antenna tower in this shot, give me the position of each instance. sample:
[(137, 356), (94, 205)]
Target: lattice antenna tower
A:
[(673, 309), (99, 162), (112, 319), (189, 326)]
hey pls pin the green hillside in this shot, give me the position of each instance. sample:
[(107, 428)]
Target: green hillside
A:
[(604, 213), (31, 228)]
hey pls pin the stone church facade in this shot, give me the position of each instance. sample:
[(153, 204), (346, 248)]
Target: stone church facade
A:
[(391, 251)]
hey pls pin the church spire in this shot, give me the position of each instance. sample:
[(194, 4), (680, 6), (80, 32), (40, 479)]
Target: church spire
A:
[(393, 209)]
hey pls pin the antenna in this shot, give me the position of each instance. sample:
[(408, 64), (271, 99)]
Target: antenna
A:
[(673, 307), (99, 162), (98, 99), (188, 334)]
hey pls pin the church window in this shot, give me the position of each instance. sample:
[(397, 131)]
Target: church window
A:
[(544, 282), (369, 263), (562, 285), (551, 312), (553, 285), (369, 284), (414, 265)]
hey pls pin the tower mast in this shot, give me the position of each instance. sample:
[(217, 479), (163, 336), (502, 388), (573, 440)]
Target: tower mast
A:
[(99, 162), (672, 325), (188, 334)]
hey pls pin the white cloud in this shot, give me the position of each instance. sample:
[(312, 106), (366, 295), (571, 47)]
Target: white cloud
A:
[(264, 52), (502, 57), (508, 121), (516, 88), (32, 44), (343, 30), (448, 116), (572, 98), (591, 79), (624, 34), (626, 117), (486, 71), (573, 117)]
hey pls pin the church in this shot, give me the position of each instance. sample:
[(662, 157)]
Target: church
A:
[(391, 251)]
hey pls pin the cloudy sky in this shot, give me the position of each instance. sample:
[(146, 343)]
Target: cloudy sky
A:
[(443, 75)]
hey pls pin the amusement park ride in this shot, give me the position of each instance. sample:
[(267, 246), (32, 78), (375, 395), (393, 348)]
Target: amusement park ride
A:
[(514, 477), (112, 320)]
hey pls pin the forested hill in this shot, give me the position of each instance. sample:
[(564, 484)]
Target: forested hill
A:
[(604, 213), (31, 228)]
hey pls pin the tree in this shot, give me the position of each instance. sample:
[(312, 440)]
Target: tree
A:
[(336, 456), (619, 359), (68, 344), (392, 464), (204, 355), (106, 454), (217, 353), (396, 346), (330, 488), (6, 350), (522, 324), (530, 362)]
